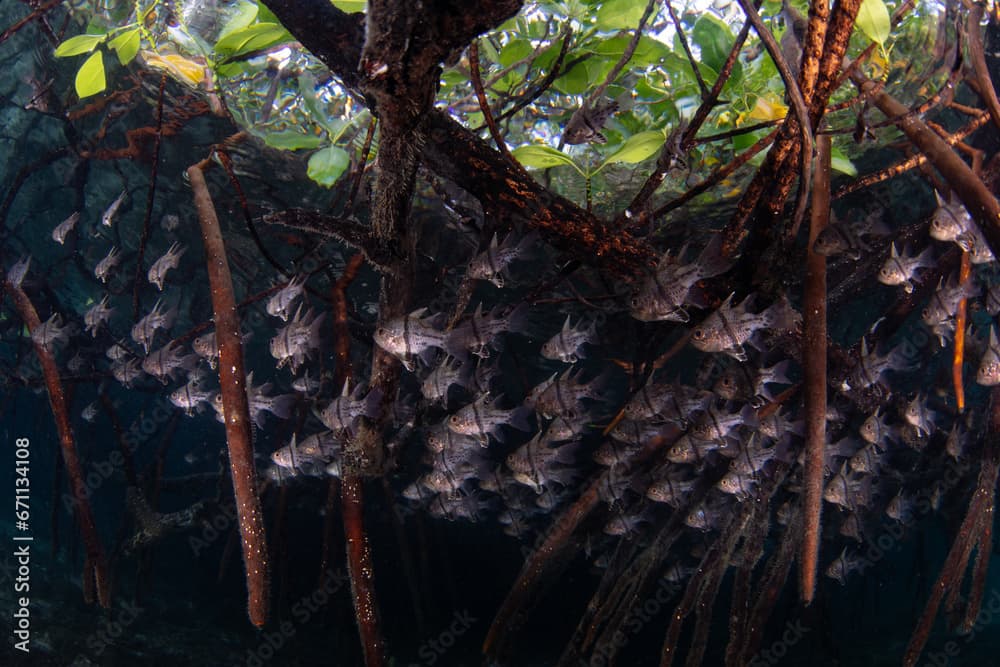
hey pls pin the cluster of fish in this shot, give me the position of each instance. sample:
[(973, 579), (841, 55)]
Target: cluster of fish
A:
[(515, 446), (170, 363)]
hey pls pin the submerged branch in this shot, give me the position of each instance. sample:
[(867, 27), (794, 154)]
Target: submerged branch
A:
[(95, 574), (815, 386), (236, 406)]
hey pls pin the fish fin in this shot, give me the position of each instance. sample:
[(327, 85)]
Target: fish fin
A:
[(517, 319), (519, 418), (712, 262), (373, 402), (281, 406)]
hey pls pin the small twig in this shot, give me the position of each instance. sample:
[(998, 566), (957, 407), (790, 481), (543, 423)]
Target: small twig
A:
[(365, 152), (798, 102), (543, 85), (910, 163), (958, 358), (717, 176), (33, 16), (150, 197), (687, 50), (986, 89), (979, 201), (484, 105), (227, 165)]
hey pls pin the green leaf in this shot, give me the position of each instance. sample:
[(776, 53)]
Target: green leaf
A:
[(244, 16), (840, 163), (620, 14), (514, 51), (639, 147), (90, 79), (350, 6), (574, 81), (252, 38), (126, 45), (713, 39), (292, 140), (873, 19), (647, 51), (74, 46), (326, 165), (542, 157)]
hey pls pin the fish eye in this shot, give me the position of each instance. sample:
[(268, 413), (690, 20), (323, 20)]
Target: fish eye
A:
[(380, 331), (454, 419), (698, 334)]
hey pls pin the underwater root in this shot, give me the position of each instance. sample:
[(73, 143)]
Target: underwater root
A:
[(236, 406), (96, 584)]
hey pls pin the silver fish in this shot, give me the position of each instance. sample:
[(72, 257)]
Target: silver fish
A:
[(103, 269), (944, 303), (874, 429), (410, 335), (901, 270), (563, 393), (565, 345), (870, 368), (842, 567), (164, 363), (671, 490), (207, 348), (988, 374), (737, 483), (993, 300), (280, 304), (740, 382), (866, 460), (344, 411), (64, 228), (950, 219), (307, 385), (108, 217), (449, 372), (714, 424), (16, 274), (89, 412), (170, 259), (170, 222), (668, 289), (729, 327), (478, 333), (901, 507), (847, 491), (260, 402), (845, 238), (973, 242), (319, 448), (482, 418), (586, 123), (956, 442), (297, 340), (191, 396), (126, 371), (117, 352), (97, 315), (492, 263), (145, 329), (52, 332), (919, 416), (77, 363)]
